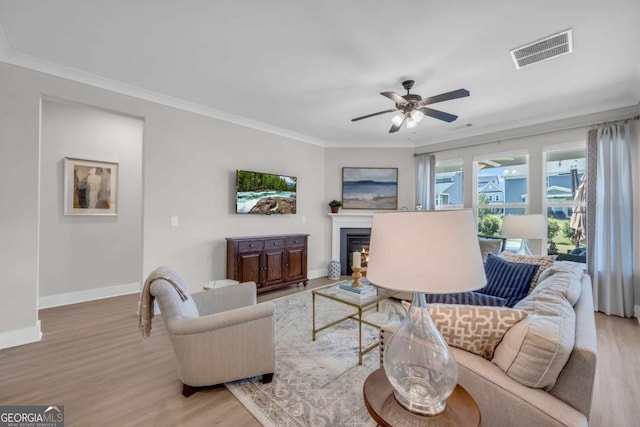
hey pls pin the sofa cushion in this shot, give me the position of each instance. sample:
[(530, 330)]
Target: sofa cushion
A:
[(535, 350), (489, 246), (475, 329), (563, 267), (544, 261), (509, 280), (564, 283)]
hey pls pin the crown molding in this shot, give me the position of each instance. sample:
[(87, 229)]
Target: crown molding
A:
[(9, 56)]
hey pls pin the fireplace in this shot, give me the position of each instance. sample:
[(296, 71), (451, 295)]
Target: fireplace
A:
[(353, 240), (356, 223)]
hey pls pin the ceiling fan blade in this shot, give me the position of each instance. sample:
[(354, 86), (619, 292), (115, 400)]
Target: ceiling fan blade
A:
[(395, 97), (395, 127), (490, 163), (437, 114), (374, 114), (460, 93)]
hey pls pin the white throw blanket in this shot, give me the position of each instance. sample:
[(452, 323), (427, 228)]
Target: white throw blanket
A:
[(145, 308)]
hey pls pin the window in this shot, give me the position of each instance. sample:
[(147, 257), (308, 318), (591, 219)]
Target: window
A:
[(565, 201), (501, 184), (449, 184)]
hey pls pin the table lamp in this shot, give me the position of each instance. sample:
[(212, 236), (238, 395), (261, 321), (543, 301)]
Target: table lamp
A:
[(533, 226), (423, 252)]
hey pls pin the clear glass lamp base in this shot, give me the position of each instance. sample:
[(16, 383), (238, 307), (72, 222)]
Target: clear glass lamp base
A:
[(418, 362), (420, 389)]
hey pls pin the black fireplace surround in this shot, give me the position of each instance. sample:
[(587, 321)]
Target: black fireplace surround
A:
[(352, 240)]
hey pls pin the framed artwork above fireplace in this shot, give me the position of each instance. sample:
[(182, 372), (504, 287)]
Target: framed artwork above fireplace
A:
[(370, 188)]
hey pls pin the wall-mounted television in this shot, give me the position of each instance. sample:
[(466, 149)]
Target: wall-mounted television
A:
[(265, 193)]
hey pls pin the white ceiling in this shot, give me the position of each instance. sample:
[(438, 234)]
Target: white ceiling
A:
[(304, 68)]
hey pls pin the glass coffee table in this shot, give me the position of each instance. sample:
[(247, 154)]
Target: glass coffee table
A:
[(360, 303)]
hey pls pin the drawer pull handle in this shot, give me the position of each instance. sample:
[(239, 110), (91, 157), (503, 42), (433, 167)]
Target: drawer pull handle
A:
[(251, 245)]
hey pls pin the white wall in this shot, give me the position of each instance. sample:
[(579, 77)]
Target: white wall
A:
[(19, 128), (190, 164), (79, 255)]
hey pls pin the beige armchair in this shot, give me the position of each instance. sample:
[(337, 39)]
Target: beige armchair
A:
[(218, 335)]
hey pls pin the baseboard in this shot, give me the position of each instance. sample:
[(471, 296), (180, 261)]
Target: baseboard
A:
[(88, 295), (20, 336), (319, 272)]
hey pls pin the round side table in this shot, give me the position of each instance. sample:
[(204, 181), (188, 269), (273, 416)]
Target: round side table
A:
[(461, 409)]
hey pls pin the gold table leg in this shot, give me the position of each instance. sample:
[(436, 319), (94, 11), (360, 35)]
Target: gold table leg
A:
[(359, 336), (313, 309)]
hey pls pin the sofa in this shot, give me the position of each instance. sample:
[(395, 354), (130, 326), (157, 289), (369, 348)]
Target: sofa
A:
[(541, 369)]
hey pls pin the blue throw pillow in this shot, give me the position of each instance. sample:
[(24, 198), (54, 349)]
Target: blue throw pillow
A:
[(505, 279), (466, 298)]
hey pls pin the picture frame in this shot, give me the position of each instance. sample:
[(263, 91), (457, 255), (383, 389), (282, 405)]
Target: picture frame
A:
[(370, 188), (90, 187)]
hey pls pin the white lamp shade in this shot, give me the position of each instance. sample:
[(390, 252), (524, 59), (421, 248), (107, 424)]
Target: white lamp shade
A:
[(428, 251), (533, 226)]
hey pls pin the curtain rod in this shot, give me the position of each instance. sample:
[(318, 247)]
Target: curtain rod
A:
[(592, 126)]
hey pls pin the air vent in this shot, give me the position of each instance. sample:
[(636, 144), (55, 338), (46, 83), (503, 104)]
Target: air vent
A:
[(542, 50)]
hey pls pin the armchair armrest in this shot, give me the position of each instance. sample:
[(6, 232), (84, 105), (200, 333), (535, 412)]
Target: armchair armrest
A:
[(221, 320), (222, 299)]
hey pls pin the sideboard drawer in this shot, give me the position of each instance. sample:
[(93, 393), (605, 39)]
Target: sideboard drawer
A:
[(271, 244), (296, 241), (251, 246)]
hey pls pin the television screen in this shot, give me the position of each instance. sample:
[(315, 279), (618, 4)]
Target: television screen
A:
[(265, 193)]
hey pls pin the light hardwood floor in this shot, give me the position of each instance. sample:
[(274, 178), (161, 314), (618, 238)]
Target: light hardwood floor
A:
[(93, 361)]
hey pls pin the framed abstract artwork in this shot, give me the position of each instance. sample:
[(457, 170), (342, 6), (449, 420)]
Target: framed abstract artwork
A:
[(90, 187), (370, 188)]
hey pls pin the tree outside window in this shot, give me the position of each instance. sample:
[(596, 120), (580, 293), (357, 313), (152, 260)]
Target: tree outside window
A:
[(565, 201)]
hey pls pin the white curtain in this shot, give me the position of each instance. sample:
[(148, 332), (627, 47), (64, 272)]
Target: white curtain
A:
[(426, 181), (612, 269)]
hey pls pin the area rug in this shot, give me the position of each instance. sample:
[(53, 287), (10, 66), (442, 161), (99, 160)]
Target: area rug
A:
[(316, 383)]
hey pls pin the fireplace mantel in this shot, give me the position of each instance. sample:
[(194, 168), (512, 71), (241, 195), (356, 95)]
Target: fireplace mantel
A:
[(346, 220)]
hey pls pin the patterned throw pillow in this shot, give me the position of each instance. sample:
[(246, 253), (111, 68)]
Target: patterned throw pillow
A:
[(475, 329), (544, 261), (505, 279)]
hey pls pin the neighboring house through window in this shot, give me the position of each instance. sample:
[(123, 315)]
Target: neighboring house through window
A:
[(565, 202)]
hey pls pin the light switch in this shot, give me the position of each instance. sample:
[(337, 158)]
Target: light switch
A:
[(304, 219), (175, 221)]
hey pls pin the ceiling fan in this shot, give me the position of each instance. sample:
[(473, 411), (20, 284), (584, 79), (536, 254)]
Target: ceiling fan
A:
[(412, 108)]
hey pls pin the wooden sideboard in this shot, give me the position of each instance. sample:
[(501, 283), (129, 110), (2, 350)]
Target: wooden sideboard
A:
[(270, 261)]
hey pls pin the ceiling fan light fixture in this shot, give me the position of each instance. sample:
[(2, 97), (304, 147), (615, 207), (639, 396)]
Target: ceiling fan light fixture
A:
[(417, 115), (397, 119), (411, 108)]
